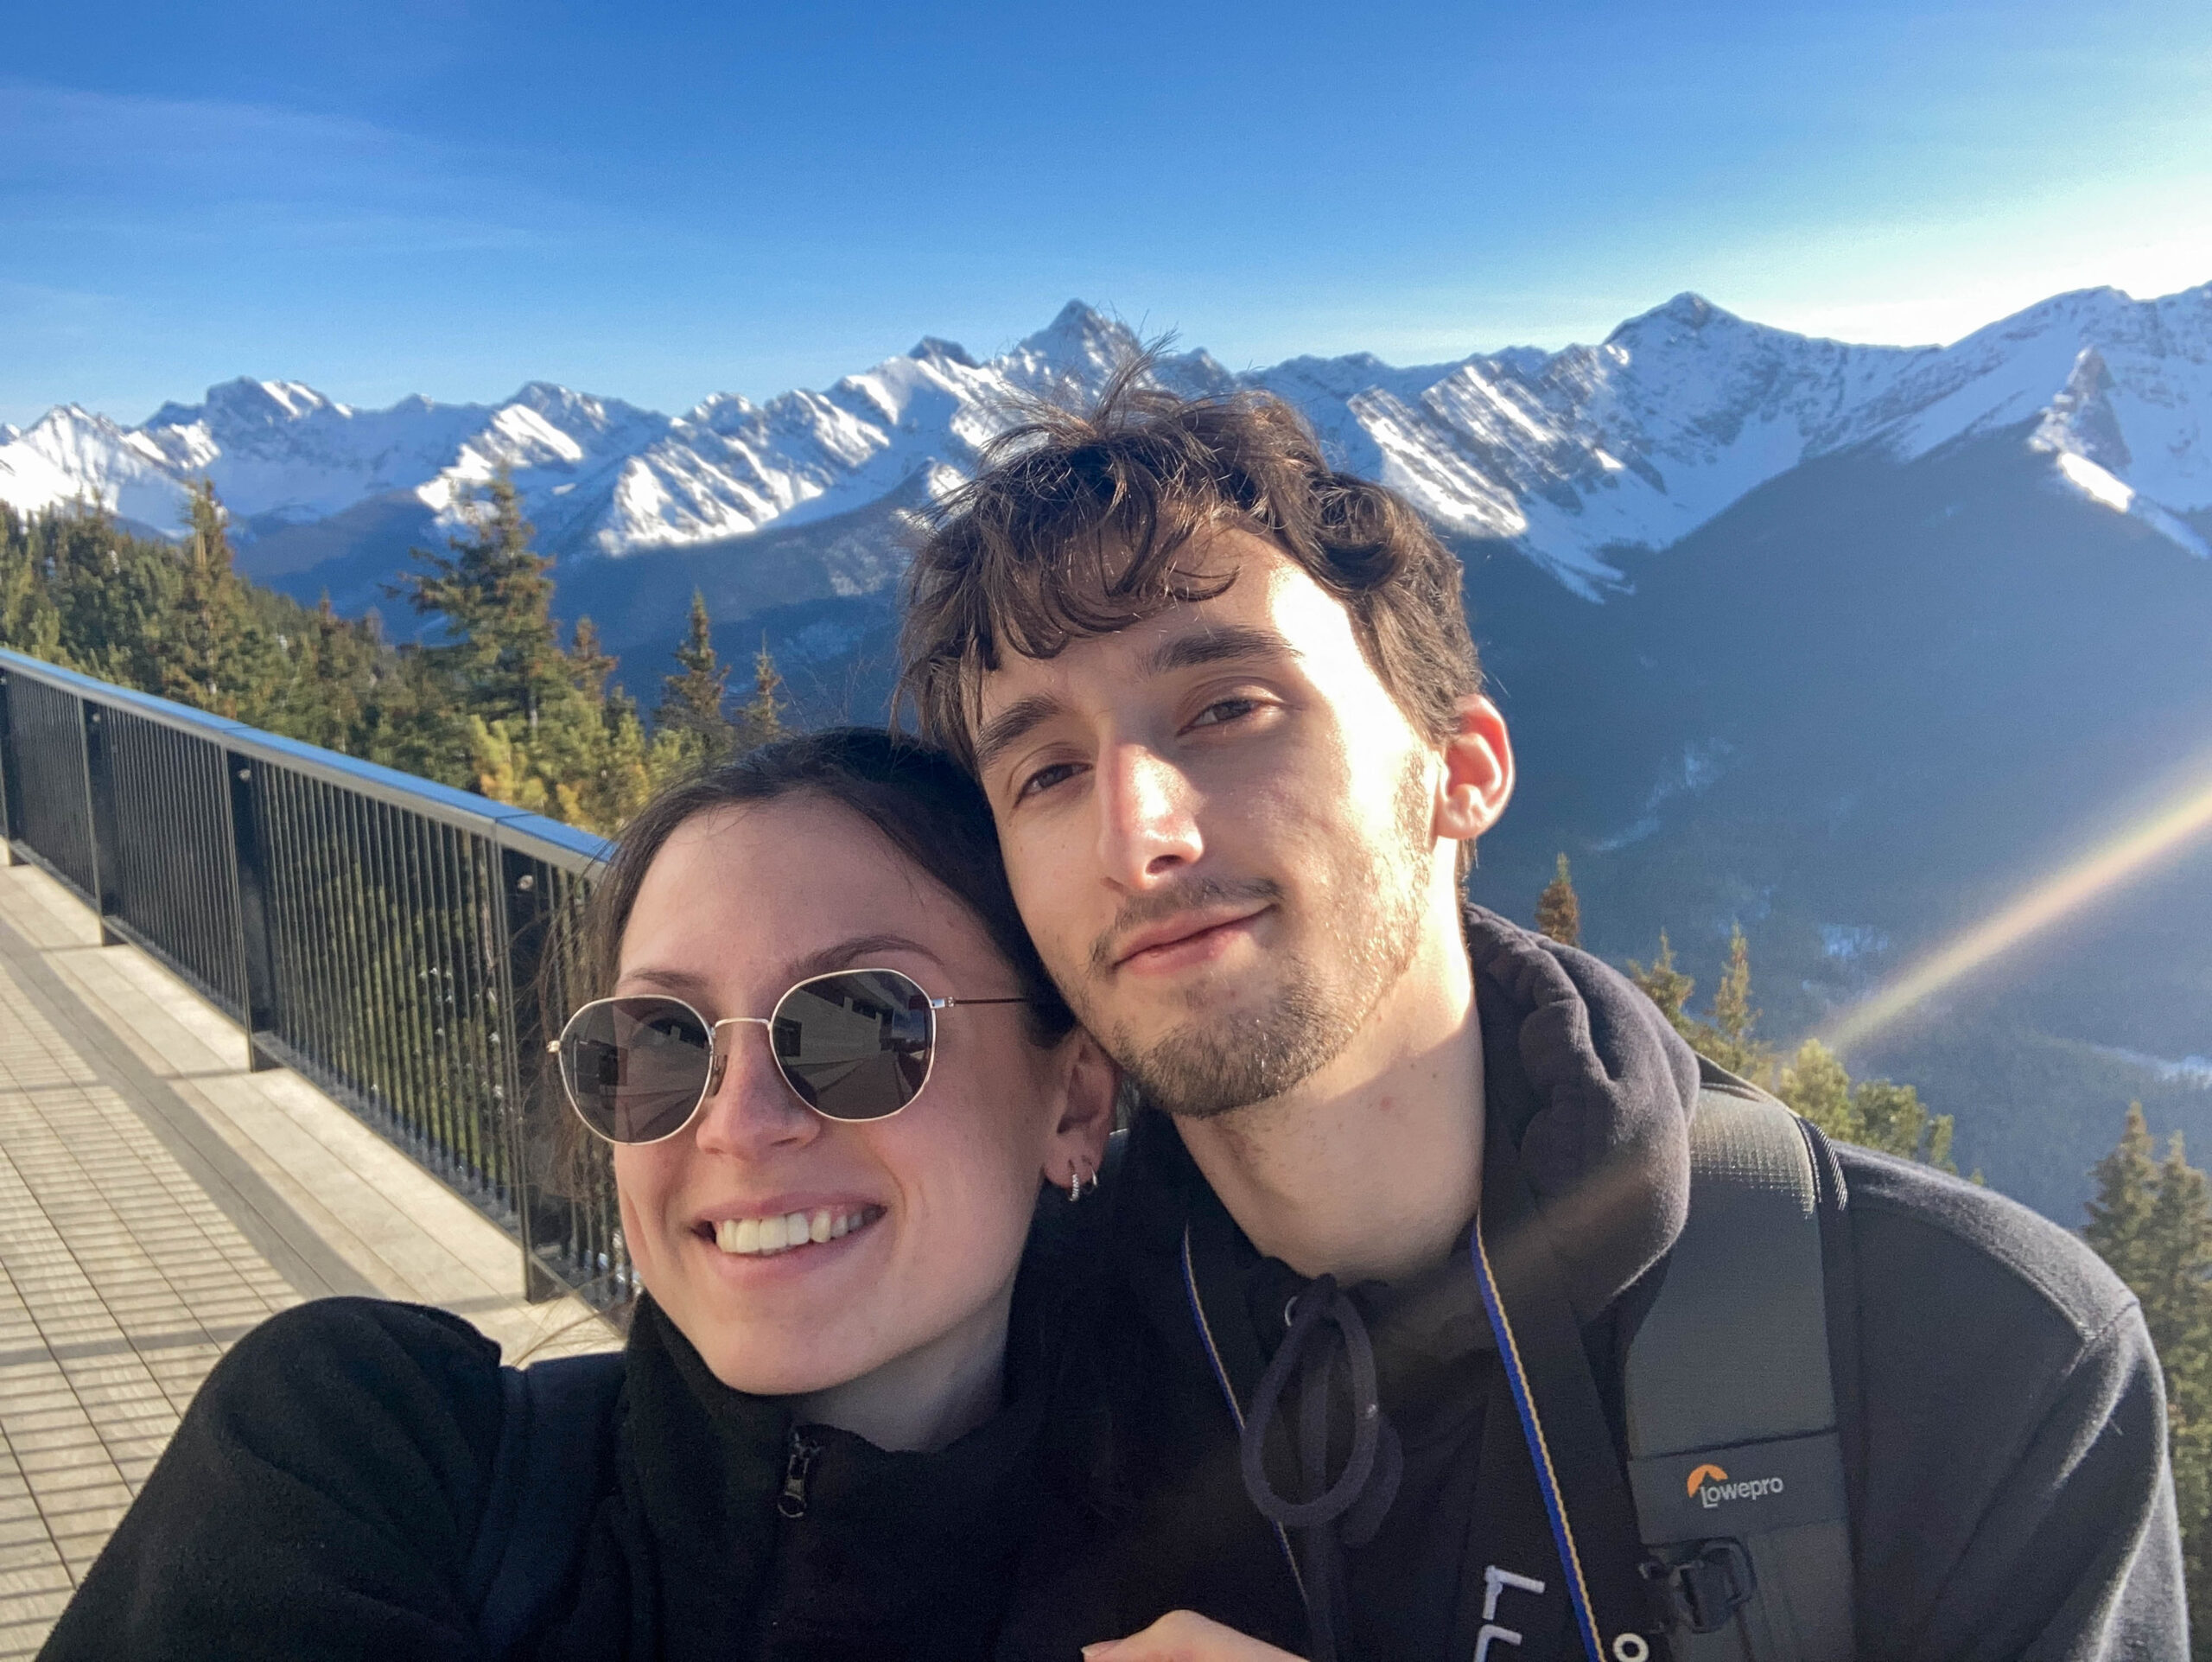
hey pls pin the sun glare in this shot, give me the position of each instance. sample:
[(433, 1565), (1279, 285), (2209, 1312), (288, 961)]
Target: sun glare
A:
[(2118, 861)]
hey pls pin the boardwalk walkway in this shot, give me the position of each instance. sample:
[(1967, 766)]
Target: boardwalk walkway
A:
[(156, 1200)]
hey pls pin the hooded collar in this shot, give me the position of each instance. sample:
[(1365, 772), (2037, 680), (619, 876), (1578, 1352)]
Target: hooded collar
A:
[(1583, 1077), (884, 1544)]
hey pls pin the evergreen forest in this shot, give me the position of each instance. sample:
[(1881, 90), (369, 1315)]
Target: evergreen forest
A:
[(495, 699)]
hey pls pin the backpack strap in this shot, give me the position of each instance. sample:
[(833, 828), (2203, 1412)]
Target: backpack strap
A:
[(1733, 1453), (555, 1461)]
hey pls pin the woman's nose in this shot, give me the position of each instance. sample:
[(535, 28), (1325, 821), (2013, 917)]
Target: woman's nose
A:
[(749, 1109)]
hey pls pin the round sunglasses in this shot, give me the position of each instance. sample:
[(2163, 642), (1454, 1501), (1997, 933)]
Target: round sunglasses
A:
[(856, 1045)]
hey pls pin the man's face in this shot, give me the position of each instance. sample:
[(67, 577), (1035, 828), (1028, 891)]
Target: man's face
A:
[(1221, 830)]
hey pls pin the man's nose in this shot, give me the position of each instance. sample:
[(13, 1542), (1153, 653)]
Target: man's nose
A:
[(751, 1111), (1148, 827)]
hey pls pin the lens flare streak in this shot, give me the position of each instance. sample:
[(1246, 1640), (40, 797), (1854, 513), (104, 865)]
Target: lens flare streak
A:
[(2121, 858)]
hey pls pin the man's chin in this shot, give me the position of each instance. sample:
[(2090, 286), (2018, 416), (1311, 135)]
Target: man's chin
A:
[(1204, 1071)]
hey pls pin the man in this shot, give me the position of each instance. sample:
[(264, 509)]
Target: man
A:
[(1230, 721)]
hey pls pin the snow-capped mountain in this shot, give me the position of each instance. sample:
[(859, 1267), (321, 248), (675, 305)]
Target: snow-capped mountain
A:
[(1569, 455)]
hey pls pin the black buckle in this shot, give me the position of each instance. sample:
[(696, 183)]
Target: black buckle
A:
[(1704, 1592)]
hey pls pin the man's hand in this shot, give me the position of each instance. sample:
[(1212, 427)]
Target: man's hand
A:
[(1184, 1636)]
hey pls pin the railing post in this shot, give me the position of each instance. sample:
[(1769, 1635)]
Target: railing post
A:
[(106, 830), (11, 789), (250, 867), (525, 918)]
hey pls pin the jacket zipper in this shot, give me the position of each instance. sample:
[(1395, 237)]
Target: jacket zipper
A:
[(799, 1467)]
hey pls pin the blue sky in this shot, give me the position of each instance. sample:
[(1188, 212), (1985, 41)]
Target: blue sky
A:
[(658, 201)]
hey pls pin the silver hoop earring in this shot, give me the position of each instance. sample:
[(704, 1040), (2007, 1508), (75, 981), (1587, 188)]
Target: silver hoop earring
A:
[(1080, 1181)]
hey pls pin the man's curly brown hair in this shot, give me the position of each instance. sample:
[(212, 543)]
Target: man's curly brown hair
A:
[(1077, 523)]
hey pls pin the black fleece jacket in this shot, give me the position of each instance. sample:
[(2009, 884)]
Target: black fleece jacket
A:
[(2004, 1426), (320, 1499)]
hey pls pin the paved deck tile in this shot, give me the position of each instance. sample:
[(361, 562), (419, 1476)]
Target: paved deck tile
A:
[(126, 1265)]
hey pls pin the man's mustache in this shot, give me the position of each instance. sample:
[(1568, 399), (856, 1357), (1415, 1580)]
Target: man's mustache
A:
[(1195, 894)]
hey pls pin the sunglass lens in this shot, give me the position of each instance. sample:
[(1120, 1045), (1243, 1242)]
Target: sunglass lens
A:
[(636, 1067), (856, 1046)]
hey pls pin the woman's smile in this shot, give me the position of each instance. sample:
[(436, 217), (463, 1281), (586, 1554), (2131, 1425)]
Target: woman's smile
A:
[(777, 1233)]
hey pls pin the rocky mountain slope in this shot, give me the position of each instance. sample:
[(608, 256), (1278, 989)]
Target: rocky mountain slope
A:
[(1570, 455)]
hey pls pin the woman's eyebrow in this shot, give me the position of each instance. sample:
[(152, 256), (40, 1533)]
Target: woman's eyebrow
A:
[(838, 955), (857, 949), (679, 981)]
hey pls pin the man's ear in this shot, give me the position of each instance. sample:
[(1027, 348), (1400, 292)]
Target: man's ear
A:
[(1477, 779), (1089, 1081)]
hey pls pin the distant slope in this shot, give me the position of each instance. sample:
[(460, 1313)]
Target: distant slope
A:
[(1857, 712)]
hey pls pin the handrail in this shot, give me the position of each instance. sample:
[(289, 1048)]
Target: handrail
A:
[(389, 937), (575, 850)]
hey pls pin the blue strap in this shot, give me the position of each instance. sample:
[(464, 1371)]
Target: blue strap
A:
[(1532, 1432)]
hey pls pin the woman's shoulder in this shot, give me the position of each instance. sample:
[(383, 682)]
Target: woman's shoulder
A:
[(355, 1372), (366, 1338), (319, 1498)]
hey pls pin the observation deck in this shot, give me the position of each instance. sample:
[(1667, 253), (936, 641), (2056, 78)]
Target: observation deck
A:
[(261, 1041)]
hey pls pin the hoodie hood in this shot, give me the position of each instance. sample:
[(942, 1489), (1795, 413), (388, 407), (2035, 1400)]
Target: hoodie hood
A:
[(1594, 1089)]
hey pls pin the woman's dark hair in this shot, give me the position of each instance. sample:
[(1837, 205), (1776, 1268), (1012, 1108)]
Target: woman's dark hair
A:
[(924, 802)]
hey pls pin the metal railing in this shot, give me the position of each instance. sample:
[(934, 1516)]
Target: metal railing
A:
[(386, 937)]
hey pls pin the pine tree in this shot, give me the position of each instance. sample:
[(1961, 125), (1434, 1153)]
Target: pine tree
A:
[(205, 623), (2127, 1191), (1559, 911), (1893, 1117), (691, 702), (590, 665), (2151, 1222), (1733, 1018), (1666, 986), (1816, 1086), (762, 717), (499, 654)]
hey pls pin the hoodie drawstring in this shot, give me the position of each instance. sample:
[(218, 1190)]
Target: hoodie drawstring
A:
[(1349, 1511)]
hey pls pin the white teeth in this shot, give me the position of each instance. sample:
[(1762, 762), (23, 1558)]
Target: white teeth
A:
[(766, 1237)]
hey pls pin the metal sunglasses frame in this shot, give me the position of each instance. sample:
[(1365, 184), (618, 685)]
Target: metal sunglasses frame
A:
[(718, 1057)]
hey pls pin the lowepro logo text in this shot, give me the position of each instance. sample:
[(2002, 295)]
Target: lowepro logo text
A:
[(1711, 1485)]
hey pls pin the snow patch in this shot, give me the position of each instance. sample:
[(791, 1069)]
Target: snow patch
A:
[(2096, 483), (2184, 1070), (1849, 942)]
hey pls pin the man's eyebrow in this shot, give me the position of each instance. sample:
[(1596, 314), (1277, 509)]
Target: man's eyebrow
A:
[(1003, 729), (1225, 644)]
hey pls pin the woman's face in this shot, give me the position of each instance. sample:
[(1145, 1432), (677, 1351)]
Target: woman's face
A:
[(739, 903)]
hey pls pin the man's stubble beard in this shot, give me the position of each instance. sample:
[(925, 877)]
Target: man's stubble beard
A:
[(1200, 1070)]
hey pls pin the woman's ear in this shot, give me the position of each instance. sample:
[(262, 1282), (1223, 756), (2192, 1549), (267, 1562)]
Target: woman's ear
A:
[(1089, 1081)]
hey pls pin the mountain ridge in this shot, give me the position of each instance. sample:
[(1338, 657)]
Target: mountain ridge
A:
[(1571, 456)]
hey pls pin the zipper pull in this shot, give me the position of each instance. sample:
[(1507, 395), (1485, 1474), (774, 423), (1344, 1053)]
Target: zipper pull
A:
[(798, 1466)]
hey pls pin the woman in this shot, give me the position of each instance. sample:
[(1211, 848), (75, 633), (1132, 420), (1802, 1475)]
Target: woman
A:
[(834, 1077)]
